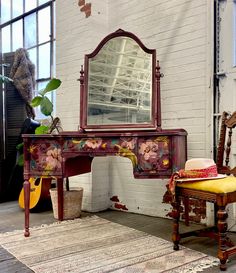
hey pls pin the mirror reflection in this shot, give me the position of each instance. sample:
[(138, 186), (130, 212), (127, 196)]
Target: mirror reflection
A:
[(120, 84)]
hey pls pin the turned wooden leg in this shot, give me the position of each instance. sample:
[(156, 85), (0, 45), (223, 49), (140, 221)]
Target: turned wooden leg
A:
[(60, 198), (222, 232), (26, 203), (186, 210), (176, 215)]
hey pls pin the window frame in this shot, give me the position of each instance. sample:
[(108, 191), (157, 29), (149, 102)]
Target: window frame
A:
[(50, 41)]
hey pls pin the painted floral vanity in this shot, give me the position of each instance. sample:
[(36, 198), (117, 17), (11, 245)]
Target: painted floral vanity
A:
[(120, 115)]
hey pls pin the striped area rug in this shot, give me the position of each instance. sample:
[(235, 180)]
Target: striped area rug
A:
[(93, 244)]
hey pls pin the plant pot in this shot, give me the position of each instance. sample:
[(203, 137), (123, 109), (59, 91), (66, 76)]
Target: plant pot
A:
[(72, 203)]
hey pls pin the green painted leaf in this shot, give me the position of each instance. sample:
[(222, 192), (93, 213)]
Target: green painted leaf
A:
[(36, 101), (42, 129), (46, 106), (52, 85), (20, 160)]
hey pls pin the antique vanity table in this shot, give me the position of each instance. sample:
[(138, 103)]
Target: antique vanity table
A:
[(120, 115)]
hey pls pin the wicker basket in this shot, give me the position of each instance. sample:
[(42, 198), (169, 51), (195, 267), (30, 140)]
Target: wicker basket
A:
[(72, 203)]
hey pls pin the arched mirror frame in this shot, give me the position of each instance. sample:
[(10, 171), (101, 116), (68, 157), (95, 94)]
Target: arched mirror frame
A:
[(155, 123)]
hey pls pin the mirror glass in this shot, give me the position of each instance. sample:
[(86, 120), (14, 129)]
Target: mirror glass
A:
[(120, 84)]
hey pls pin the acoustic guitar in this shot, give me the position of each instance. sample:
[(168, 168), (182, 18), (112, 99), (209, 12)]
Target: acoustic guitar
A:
[(39, 191)]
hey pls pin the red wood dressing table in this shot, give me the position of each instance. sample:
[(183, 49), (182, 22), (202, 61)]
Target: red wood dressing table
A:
[(120, 115)]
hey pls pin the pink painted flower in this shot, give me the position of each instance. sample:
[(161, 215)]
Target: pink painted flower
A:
[(128, 143), (93, 143), (53, 159), (149, 150)]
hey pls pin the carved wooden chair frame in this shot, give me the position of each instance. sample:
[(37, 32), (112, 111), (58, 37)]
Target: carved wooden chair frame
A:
[(226, 247)]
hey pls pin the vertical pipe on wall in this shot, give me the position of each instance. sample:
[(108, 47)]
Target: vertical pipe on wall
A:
[(216, 95)]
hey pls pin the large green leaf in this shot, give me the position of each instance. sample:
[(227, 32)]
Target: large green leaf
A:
[(19, 146), (42, 129), (20, 160), (36, 101), (52, 85), (46, 106)]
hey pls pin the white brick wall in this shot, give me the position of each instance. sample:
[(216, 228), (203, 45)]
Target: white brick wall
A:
[(76, 36), (180, 32)]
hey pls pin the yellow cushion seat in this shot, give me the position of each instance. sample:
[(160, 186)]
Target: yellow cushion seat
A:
[(222, 185)]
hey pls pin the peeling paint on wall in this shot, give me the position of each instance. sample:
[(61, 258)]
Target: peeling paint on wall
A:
[(196, 211), (85, 7), (120, 206), (117, 203), (115, 198)]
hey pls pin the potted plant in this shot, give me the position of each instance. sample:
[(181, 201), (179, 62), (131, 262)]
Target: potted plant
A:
[(46, 107)]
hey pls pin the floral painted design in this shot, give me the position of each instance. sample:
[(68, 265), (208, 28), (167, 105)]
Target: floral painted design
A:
[(124, 146), (53, 159), (154, 154), (125, 149), (149, 150), (45, 157), (165, 161), (124, 152), (110, 145), (128, 143), (150, 154), (93, 143)]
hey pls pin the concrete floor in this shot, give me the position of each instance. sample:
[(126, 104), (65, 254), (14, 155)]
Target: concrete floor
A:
[(12, 218)]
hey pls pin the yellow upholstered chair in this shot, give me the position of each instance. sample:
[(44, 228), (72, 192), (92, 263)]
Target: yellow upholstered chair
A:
[(221, 192)]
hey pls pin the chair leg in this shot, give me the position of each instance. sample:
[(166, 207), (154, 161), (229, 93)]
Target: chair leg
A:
[(222, 233), (186, 210), (176, 216)]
